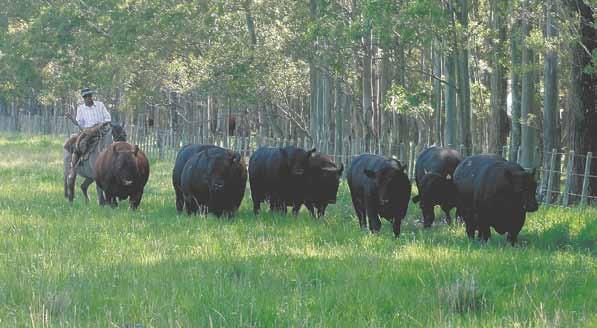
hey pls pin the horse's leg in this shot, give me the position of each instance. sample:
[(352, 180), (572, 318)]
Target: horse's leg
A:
[(66, 170), (70, 184), (84, 186)]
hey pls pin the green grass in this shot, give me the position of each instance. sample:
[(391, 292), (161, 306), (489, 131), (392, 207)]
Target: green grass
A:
[(90, 266)]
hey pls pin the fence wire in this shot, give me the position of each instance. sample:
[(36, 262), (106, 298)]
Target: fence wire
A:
[(568, 186)]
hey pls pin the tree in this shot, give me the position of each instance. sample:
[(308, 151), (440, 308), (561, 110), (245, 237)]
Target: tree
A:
[(515, 86), (551, 131), (464, 93), (528, 93), (498, 130)]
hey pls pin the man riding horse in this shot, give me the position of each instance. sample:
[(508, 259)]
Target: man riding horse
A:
[(81, 149), (90, 117)]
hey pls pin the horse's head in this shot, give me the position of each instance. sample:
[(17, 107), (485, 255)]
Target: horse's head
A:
[(118, 132)]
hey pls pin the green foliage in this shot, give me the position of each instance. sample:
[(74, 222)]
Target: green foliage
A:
[(82, 265)]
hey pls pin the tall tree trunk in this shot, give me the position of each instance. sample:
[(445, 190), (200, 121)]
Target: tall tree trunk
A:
[(250, 23), (313, 81), (498, 127), (551, 117), (528, 93), (437, 93), (464, 91), (367, 90), (450, 94), (582, 97), (340, 114), (515, 42), (385, 82)]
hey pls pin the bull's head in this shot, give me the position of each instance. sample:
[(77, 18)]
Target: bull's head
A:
[(384, 179), (125, 165), (327, 182), (524, 184), (299, 160)]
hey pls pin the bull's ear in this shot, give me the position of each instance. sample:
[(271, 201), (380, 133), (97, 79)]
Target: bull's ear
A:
[(341, 169), (136, 150), (311, 152), (369, 173)]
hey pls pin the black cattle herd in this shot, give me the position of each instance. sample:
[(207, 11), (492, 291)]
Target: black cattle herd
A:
[(486, 190)]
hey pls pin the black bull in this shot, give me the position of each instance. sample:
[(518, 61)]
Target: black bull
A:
[(184, 154), (214, 181), (277, 175), (494, 193), (433, 174), (379, 187)]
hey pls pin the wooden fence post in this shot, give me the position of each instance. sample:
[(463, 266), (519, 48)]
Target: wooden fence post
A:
[(565, 197), (550, 172), (585, 183)]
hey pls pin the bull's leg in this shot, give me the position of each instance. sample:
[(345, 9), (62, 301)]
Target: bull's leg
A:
[(512, 237), (358, 208), (101, 196), (190, 205), (396, 226), (113, 201), (470, 230), (428, 215), (372, 215), (135, 200), (321, 210), (256, 206), (84, 186), (218, 212), (484, 233), (296, 207), (361, 215), (311, 209), (448, 218), (179, 200)]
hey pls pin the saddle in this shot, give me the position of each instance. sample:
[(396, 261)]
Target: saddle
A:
[(83, 143)]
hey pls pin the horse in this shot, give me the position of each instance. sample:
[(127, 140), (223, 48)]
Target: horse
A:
[(109, 133)]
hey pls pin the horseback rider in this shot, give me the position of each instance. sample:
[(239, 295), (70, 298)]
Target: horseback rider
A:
[(91, 112), (91, 116)]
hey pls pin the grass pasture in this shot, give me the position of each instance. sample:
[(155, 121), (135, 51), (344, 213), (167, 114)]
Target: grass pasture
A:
[(87, 266)]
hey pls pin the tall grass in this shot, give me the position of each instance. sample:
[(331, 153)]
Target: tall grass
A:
[(83, 265)]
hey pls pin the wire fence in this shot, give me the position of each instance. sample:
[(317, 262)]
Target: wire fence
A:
[(564, 178)]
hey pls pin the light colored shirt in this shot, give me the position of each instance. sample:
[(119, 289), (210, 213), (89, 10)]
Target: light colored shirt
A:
[(88, 116)]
